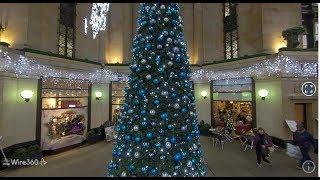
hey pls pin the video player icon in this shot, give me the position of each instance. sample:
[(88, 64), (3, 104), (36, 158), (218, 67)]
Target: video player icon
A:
[(308, 88)]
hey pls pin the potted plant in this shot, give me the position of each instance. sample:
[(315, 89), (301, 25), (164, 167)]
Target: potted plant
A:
[(26, 154), (292, 36), (204, 128), (94, 135)]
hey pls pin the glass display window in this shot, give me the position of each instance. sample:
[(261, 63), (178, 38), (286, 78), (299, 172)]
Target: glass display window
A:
[(117, 99), (64, 112), (233, 105)]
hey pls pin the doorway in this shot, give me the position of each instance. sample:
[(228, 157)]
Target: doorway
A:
[(301, 113)]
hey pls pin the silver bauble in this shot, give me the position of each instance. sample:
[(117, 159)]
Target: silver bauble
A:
[(148, 77), (136, 154), (152, 112)]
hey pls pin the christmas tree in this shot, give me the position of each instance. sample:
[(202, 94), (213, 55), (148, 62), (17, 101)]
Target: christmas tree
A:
[(157, 132)]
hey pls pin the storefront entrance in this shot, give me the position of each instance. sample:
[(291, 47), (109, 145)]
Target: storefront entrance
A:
[(233, 105)]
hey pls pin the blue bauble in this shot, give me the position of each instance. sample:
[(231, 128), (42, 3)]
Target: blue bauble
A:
[(164, 116), (183, 74), (156, 102), (145, 144), (156, 81), (170, 126), (160, 70), (149, 135), (158, 144), (161, 131), (119, 153), (154, 171), (147, 47), (184, 154), (137, 139), (127, 137), (143, 23), (144, 169), (136, 102), (143, 112), (175, 115), (144, 123), (138, 69), (160, 38), (158, 59), (183, 110), (114, 152), (131, 167), (142, 92), (177, 157), (173, 140)]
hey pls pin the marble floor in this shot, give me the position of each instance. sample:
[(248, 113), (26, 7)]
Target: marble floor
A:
[(91, 160)]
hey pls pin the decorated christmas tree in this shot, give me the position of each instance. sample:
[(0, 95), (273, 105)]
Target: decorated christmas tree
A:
[(157, 132)]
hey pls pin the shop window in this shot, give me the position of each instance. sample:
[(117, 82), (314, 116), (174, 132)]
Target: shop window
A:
[(64, 112), (309, 13), (117, 100), (66, 32), (232, 105), (230, 30)]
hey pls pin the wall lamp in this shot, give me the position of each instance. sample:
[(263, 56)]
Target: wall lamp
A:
[(204, 94), (263, 93), (26, 95), (98, 95)]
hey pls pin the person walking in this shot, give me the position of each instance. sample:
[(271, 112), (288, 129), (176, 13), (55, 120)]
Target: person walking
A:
[(261, 142), (303, 139)]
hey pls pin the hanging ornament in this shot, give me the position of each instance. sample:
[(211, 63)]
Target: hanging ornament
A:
[(148, 77), (176, 106), (136, 128), (152, 112)]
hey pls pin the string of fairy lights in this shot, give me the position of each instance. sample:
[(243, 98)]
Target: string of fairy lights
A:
[(281, 66), (24, 67)]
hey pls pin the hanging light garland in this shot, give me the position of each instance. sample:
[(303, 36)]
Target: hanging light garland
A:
[(281, 66), (98, 19), (21, 67)]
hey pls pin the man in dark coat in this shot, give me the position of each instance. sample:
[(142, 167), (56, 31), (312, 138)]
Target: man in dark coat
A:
[(304, 140)]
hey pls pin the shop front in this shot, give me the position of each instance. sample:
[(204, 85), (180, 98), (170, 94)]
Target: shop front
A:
[(65, 107), (116, 100), (233, 104)]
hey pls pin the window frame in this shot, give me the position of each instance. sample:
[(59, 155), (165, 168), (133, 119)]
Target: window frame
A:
[(229, 27), (64, 29)]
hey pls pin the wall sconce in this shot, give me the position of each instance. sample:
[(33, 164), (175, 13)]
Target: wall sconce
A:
[(263, 93), (98, 95), (204, 94), (26, 95)]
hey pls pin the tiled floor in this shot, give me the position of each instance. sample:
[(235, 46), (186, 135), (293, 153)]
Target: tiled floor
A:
[(92, 160)]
